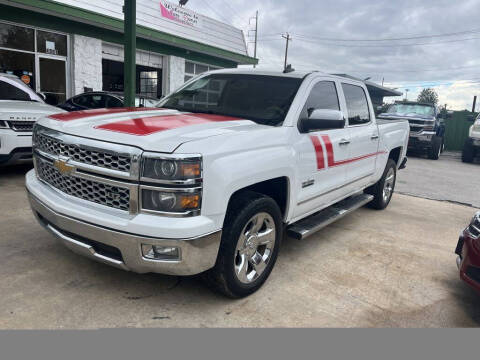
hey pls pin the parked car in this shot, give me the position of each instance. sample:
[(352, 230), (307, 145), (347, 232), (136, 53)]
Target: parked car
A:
[(468, 253), (210, 182), (102, 99), (20, 107), (427, 129), (472, 144)]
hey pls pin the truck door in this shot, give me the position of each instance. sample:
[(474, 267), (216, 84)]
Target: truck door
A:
[(321, 154), (364, 136)]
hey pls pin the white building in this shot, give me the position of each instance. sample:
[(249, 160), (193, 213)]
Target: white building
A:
[(65, 47)]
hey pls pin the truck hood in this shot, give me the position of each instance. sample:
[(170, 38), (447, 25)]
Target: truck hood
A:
[(25, 110), (150, 129), (409, 116)]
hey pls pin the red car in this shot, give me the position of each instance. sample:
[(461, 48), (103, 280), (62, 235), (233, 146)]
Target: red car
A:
[(468, 251)]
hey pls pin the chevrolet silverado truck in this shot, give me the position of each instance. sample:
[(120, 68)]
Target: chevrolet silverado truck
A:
[(427, 130), (471, 148), (20, 107), (212, 180)]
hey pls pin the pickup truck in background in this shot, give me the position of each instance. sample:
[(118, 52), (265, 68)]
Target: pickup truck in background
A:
[(212, 180), (20, 107), (471, 148), (427, 130)]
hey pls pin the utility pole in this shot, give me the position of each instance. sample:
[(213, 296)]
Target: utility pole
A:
[(288, 38), (474, 103), (256, 36), (130, 47), (406, 93)]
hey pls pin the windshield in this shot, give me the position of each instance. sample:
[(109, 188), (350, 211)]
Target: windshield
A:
[(262, 99), (14, 89), (406, 109)]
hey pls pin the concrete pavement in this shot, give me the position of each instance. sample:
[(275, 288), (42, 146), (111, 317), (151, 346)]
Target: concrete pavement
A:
[(392, 268), (445, 179)]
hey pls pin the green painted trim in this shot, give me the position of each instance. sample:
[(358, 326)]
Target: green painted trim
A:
[(108, 22), (130, 46), (31, 18)]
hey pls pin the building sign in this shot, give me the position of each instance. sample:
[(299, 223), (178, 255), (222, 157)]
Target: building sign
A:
[(50, 48), (179, 14), (25, 79)]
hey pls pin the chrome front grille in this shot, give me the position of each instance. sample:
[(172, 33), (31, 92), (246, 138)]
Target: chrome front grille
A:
[(97, 192), (21, 126), (84, 155), (92, 170)]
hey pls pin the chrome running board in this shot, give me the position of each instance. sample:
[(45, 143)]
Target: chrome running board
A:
[(310, 225)]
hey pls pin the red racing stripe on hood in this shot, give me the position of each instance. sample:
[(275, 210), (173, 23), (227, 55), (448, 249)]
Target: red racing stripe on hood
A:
[(76, 115), (149, 125)]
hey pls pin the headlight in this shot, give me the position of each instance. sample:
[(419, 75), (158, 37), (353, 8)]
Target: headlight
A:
[(181, 191), (3, 124), (184, 170), (172, 201), (474, 227)]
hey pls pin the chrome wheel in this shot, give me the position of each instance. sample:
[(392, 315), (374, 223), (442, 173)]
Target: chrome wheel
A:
[(388, 185), (254, 247)]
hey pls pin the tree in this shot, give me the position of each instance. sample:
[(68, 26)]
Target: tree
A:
[(428, 96)]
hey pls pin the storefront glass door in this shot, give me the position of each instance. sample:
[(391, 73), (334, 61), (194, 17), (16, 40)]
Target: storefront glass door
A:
[(53, 79)]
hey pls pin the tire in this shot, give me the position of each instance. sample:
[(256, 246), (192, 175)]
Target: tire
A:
[(229, 276), (436, 149), (468, 152), (380, 201)]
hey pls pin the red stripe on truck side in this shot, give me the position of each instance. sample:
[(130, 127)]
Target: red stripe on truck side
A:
[(318, 152), (76, 115), (149, 125), (331, 155)]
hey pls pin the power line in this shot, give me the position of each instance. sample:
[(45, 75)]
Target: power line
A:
[(217, 13), (386, 45), (471, 31), (235, 13)]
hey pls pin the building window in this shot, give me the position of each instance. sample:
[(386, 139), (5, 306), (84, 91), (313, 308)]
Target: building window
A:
[(149, 83), (193, 69), (40, 64)]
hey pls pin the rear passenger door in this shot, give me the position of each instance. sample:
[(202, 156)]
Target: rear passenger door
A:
[(321, 154), (364, 136)]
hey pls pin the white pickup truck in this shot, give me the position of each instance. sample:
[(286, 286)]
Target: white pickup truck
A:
[(212, 180), (471, 148), (20, 107)]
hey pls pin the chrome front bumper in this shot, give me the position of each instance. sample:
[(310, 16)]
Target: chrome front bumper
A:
[(196, 254)]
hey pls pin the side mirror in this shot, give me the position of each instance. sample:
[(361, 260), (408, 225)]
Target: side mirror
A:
[(322, 119)]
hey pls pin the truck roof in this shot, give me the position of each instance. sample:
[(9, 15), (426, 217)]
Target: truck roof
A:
[(298, 74)]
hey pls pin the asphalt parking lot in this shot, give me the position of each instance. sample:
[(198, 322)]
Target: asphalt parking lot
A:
[(393, 268), (446, 179)]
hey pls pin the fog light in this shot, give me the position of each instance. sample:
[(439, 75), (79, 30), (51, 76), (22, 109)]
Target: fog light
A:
[(154, 252)]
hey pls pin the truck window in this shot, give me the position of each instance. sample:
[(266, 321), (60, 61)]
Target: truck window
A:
[(417, 109), (261, 98), (323, 96), (10, 92), (357, 104)]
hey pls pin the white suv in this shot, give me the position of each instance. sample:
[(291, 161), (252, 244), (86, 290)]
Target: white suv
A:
[(20, 107)]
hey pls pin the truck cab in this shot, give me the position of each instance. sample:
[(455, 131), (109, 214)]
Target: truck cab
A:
[(427, 129), (20, 108)]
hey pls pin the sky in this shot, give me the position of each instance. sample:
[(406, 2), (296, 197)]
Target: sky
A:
[(367, 39)]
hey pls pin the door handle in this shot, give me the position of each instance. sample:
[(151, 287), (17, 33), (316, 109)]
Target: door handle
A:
[(374, 137), (343, 142)]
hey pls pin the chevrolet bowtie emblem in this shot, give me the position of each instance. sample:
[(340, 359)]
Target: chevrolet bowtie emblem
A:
[(63, 167)]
